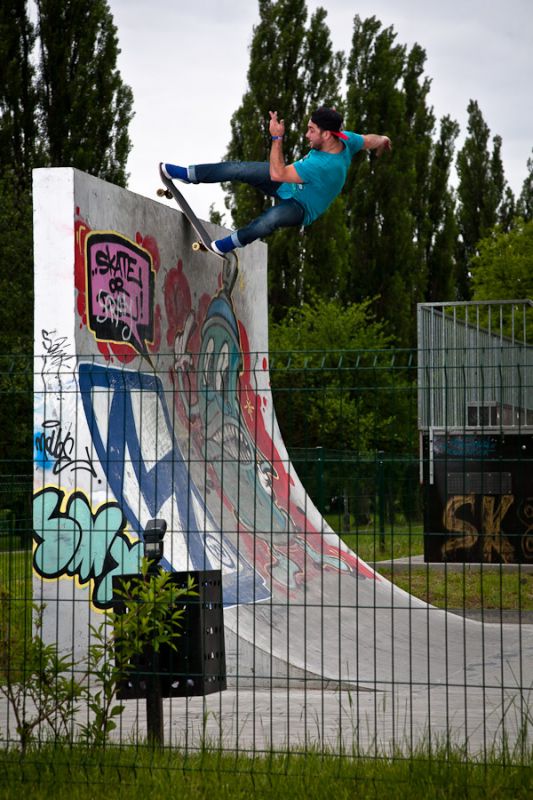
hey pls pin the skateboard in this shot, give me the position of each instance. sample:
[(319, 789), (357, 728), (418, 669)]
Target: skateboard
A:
[(171, 191)]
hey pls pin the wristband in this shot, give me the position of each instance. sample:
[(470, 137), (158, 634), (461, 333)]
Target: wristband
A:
[(276, 137)]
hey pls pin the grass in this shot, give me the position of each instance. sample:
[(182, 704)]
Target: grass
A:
[(468, 589), (15, 572), (401, 540), (15, 592), (136, 773)]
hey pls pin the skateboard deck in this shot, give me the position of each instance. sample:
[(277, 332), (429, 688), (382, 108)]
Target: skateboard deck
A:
[(171, 191)]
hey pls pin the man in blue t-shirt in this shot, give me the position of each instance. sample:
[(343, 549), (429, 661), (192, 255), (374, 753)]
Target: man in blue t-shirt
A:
[(303, 190)]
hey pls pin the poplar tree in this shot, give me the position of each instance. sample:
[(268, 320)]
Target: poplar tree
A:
[(482, 191), (293, 69), (18, 153), (525, 200), (440, 242), (400, 210), (85, 106), (18, 97), (18, 144)]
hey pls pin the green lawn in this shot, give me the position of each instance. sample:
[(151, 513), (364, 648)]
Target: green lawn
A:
[(467, 589), (403, 539), (140, 773)]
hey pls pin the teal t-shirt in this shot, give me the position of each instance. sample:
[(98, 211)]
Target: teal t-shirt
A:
[(323, 176)]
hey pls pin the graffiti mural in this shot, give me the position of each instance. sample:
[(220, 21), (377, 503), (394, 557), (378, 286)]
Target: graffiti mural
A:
[(132, 434), (216, 397), (73, 540)]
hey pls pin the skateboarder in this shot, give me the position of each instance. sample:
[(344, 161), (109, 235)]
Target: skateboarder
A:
[(303, 190)]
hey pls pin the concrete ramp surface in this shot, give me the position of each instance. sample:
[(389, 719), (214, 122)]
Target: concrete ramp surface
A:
[(152, 399)]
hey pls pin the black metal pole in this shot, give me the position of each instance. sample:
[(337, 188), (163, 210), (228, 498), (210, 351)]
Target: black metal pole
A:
[(154, 697), (154, 702), (381, 499)]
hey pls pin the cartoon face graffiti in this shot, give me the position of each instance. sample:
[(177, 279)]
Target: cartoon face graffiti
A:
[(244, 475), (211, 393)]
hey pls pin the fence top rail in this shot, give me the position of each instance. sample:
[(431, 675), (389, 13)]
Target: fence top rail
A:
[(454, 303)]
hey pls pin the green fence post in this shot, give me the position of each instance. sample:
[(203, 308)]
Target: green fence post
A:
[(321, 500), (381, 499)]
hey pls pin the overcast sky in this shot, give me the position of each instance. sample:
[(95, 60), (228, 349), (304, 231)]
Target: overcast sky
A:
[(186, 62)]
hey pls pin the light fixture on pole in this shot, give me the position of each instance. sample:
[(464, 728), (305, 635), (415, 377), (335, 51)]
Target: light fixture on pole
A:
[(153, 540)]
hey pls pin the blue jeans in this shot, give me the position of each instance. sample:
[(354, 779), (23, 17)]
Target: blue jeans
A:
[(285, 214)]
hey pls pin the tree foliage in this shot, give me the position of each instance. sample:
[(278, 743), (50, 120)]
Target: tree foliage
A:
[(85, 107), (525, 201), (292, 70), (484, 198), (329, 386), (400, 207), (18, 94), (399, 233), (502, 266)]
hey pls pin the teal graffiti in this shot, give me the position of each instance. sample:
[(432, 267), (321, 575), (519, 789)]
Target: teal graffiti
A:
[(79, 543)]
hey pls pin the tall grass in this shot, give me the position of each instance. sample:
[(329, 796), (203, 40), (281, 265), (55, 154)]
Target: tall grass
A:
[(139, 773)]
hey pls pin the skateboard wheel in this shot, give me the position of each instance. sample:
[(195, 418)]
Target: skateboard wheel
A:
[(196, 246)]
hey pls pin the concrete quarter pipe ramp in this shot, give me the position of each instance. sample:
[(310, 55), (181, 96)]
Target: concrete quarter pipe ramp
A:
[(152, 399)]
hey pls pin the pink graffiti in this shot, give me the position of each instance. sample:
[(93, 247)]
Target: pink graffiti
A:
[(120, 288)]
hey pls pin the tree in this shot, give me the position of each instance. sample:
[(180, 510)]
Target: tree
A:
[(501, 268), (483, 196), (292, 69), (320, 376), (18, 97), (400, 209), (525, 201), (85, 107), (441, 240)]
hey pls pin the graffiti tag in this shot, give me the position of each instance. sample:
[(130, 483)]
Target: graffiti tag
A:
[(120, 288), (494, 541), (75, 542), (56, 348), (52, 444), (55, 362), (464, 446)]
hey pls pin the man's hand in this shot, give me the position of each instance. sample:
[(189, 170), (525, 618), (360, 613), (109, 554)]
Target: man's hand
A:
[(276, 126), (380, 144), (384, 146), (279, 171)]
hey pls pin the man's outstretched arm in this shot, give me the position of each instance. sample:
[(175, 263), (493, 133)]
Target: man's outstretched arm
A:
[(374, 141), (279, 171)]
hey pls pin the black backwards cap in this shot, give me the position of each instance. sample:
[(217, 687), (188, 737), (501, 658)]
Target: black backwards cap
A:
[(328, 120)]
